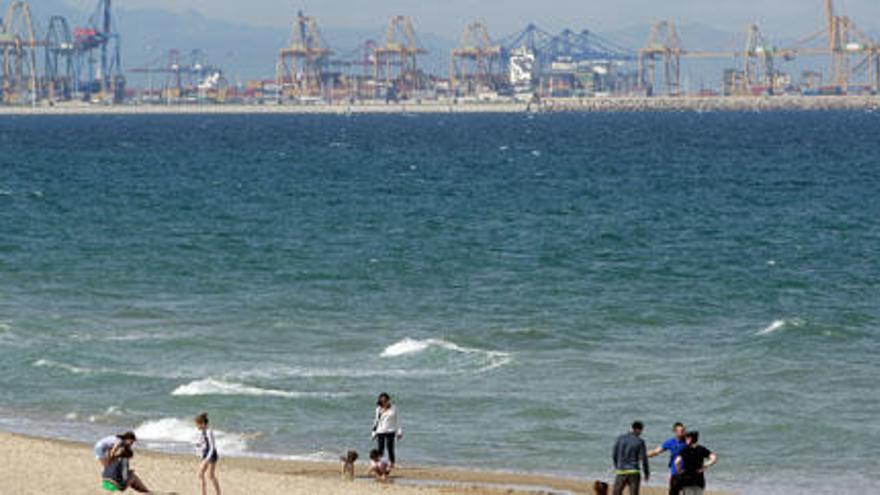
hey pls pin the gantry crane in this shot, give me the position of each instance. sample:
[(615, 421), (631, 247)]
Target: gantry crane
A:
[(355, 70), (98, 57), (301, 64), (395, 65), (583, 45), (850, 50), (852, 53), (59, 64), (760, 60), (18, 46), (474, 62), (664, 45)]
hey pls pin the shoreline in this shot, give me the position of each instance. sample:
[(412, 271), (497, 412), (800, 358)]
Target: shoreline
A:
[(69, 467), (555, 105)]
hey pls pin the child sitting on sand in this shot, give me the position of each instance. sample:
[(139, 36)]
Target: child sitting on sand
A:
[(209, 456), (348, 461), (117, 475), (380, 468)]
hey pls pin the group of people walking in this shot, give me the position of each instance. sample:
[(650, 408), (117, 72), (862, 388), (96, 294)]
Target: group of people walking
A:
[(688, 461)]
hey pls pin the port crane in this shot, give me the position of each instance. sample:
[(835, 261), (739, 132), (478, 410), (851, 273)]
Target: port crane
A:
[(300, 67), (395, 61), (474, 63), (60, 72), (18, 48), (98, 58)]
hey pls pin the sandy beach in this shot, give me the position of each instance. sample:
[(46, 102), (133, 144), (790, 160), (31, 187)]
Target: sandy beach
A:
[(39, 466)]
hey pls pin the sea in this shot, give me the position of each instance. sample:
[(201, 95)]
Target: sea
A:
[(524, 286)]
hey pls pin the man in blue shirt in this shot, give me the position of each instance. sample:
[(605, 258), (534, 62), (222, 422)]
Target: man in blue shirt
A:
[(674, 446)]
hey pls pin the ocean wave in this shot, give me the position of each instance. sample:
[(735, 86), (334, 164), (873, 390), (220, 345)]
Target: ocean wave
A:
[(781, 324), (175, 433), (277, 372), (485, 360), (405, 358), (76, 370), (81, 370), (210, 386), (408, 346), (109, 415)]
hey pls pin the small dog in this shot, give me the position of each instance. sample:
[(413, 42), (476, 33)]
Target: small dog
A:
[(348, 461), (600, 488)]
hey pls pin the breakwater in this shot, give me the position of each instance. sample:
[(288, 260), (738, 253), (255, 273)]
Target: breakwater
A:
[(641, 104)]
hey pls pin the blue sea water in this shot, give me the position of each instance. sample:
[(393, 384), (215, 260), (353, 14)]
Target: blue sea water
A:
[(524, 286)]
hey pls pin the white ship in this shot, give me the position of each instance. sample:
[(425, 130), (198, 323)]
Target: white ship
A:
[(522, 73)]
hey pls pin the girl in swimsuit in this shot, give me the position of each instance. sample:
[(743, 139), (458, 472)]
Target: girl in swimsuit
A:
[(208, 453)]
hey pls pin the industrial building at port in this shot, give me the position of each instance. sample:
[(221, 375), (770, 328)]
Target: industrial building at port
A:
[(52, 61)]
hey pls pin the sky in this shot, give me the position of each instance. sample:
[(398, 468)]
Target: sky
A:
[(448, 17)]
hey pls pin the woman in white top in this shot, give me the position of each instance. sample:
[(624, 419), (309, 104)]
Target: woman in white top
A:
[(386, 427)]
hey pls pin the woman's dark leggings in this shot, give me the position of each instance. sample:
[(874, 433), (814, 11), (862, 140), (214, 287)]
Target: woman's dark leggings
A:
[(387, 439)]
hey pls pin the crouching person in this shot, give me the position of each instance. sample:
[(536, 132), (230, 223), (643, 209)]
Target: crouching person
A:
[(118, 475)]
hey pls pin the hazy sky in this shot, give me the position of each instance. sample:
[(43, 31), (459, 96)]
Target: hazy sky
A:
[(447, 17)]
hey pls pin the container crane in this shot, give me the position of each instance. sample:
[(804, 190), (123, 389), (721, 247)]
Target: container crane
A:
[(59, 64), (663, 45), (474, 62), (99, 62), (395, 62), (851, 51), (18, 45), (301, 65)]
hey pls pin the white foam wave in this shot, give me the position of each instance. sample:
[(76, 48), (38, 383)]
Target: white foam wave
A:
[(210, 386), (779, 325), (110, 414), (174, 432), (76, 370), (408, 346)]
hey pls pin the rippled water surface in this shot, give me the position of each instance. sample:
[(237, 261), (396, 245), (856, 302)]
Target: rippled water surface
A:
[(524, 286)]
